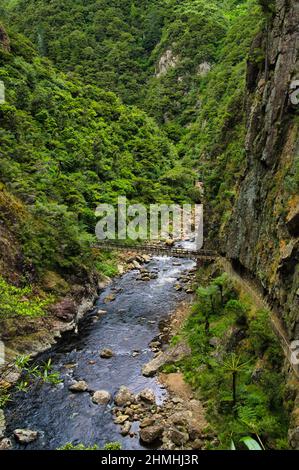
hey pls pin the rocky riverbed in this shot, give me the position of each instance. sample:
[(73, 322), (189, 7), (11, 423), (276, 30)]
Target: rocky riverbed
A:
[(108, 392)]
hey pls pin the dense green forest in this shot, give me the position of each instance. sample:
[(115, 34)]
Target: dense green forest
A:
[(184, 63), (68, 144), (144, 99)]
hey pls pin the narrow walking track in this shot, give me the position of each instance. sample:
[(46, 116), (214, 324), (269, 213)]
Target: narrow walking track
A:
[(262, 303)]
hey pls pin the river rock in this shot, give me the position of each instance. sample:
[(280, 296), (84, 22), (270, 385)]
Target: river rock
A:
[(79, 387), (25, 436), (151, 434), (147, 395), (126, 428), (5, 444), (124, 397), (150, 369), (153, 276), (121, 269), (104, 282), (106, 354), (181, 418), (136, 353), (179, 438), (110, 298), (136, 265), (155, 344), (101, 397), (198, 444), (146, 422), (121, 419), (101, 313)]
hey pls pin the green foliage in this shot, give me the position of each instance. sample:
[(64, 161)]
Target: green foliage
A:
[(5, 397), (106, 264), (112, 446), (250, 443), (239, 309), (16, 302), (30, 373), (264, 339), (65, 148), (82, 447), (109, 446), (237, 376)]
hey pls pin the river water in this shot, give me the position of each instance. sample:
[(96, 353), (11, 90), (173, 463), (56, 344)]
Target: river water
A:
[(133, 320)]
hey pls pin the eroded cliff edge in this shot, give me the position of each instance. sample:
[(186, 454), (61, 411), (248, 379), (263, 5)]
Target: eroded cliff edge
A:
[(262, 238)]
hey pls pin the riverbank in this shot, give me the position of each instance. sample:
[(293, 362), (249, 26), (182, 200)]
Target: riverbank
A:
[(127, 319), (228, 332)]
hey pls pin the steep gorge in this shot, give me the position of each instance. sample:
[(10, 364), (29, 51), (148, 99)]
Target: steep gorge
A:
[(233, 124)]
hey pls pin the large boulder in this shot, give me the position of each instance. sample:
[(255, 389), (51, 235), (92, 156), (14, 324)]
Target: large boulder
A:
[(101, 397), (151, 434), (124, 397), (25, 436)]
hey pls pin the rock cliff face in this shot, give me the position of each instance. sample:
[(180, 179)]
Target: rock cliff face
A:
[(264, 230)]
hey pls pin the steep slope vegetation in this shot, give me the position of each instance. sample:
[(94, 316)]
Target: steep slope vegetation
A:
[(64, 149)]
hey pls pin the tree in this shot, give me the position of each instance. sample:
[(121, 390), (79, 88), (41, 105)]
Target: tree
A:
[(234, 365), (207, 304)]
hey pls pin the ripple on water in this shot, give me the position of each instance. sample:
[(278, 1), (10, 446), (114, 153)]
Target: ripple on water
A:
[(130, 324)]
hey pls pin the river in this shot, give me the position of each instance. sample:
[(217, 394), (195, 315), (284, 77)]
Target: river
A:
[(132, 321)]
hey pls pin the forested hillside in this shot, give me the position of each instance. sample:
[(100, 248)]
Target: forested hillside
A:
[(184, 63), (108, 98), (68, 145)]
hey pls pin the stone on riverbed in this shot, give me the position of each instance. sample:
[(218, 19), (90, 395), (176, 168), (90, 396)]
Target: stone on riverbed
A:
[(110, 298), (101, 397), (147, 422), (179, 438), (79, 387), (124, 397), (121, 419), (106, 354), (100, 313), (5, 444), (126, 428), (174, 354), (147, 396), (151, 434), (25, 436)]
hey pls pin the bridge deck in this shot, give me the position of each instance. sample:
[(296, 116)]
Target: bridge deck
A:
[(159, 250)]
